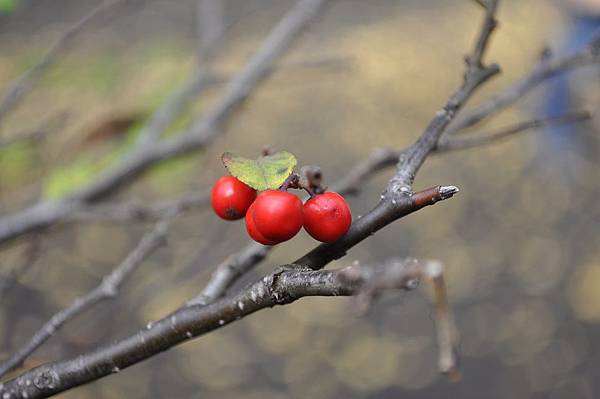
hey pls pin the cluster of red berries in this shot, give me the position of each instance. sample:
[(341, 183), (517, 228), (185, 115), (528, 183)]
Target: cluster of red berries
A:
[(274, 216)]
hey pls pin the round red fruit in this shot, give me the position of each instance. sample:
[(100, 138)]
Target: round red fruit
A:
[(231, 198), (327, 217), (274, 217)]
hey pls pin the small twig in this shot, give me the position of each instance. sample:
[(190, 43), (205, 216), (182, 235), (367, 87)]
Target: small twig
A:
[(474, 60), (229, 272), (211, 28), (105, 290), (477, 140), (406, 274), (13, 95), (545, 70)]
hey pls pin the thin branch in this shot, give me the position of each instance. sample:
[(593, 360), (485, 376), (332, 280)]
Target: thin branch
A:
[(475, 59), (406, 274), (13, 95), (107, 289), (477, 140), (284, 286), (230, 271), (545, 70), (211, 27), (196, 137)]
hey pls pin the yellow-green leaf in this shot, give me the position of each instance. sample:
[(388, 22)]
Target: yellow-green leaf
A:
[(264, 173)]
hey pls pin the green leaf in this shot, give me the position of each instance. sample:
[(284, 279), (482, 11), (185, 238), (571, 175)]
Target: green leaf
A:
[(264, 173)]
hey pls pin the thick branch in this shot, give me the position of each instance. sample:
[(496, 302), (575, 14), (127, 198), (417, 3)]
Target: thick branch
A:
[(284, 286)]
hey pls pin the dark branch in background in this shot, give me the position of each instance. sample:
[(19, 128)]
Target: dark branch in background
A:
[(211, 27), (406, 274), (13, 95), (547, 69), (477, 140), (283, 286), (107, 289), (195, 137)]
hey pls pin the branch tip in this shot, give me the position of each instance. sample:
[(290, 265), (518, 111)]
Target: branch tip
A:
[(448, 191)]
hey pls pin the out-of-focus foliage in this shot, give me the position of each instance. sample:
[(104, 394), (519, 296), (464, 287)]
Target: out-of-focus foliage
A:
[(520, 241), (7, 6)]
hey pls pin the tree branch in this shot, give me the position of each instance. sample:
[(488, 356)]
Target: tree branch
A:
[(544, 71), (477, 140), (107, 289), (284, 286)]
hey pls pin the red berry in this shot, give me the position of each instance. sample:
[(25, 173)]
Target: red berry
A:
[(231, 198), (327, 217), (274, 217), (253, 231)]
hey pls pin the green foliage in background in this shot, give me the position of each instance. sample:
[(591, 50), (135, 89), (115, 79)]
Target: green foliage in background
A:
[(8, 6), (15, 163), (66, 179)]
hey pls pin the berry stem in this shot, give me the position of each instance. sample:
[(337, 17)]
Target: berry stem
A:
[(290, 182)]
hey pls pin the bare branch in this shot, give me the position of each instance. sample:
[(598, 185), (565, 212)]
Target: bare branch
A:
[(107, 289), (13, 95), (285, 285), (545, 70), (406, 274), (477, 140), (230, 271), (211, 27)]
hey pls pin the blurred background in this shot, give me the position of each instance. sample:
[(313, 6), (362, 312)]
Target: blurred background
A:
[(520, 243)]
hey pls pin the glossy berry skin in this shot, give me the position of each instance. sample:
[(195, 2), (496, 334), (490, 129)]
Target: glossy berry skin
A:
[(274, 217), (327, 217), (231, 198)]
